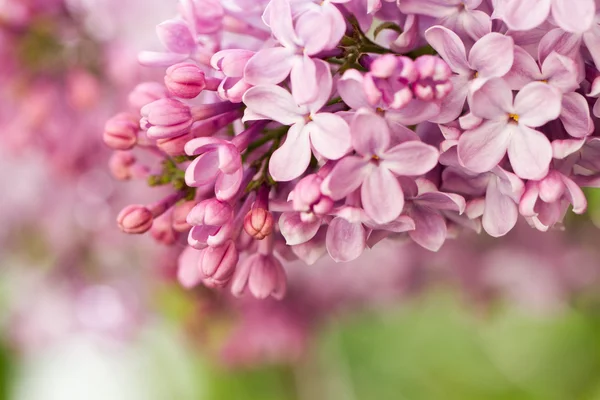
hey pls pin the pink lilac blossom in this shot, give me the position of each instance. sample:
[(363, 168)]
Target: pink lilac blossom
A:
[(290, 131)]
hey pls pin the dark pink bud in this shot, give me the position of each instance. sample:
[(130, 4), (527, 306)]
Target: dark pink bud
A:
[(120, 132), (185, 80), (146, 93), (135, 218), (180, 213), (217, 263), (166, 118), (258, 223)]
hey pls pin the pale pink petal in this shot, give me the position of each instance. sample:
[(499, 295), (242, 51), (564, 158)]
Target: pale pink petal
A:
[(575, 115), (476, 24), (523, 15), (296, 231), (529, 199), (430, 8), (269, 66), (311, 251), (370, 133), (592, 42), (551, 187), (560, 72), (537, 103), (228, 185), (484, 59), (563, 148), (492, 100), (575, 196), (500, 213), (347, 176), (305, 88), (325, 81), (306, 26), (292, 158), (329, 135), (381, 196), (231, 62), (414, 113), (345, 240), (350, 87), (281, 23), (452, 105), (410, 158), (482, 148), (574, 16), (430, 228), (274, 102), (203, 169), (559, 41), (449, 47), (442, 201), (524, 70), (188, 272), (530, 153)]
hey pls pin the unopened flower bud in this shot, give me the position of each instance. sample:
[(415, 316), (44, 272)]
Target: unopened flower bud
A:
[(210, 212), (162, 230), (135, 219), (120, 164), (174, 146), (262, 275), (389, 80), (185, 80), (120, 132), (217, 264), (307, 196), (146, 93), (434, 78), (180, 213), (166, 118), (258, 223)]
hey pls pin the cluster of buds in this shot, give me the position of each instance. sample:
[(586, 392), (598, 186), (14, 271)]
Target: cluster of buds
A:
[(286, 132)]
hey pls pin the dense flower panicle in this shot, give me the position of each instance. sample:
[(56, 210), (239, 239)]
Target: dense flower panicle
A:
[(292, 129)]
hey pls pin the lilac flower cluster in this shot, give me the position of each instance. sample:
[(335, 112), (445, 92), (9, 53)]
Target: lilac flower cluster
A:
[(289, 129)]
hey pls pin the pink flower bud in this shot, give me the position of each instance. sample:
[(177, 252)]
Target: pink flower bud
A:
[(146, 93), (174, 146), (258, 223), (120, 164), (185, 80), (389, 81), (135, 218), (162, 230), (120, 132), (307, 196), (217, 264), (166, 118), (210, 212), (262, 275), (434, 78), (180, 213)]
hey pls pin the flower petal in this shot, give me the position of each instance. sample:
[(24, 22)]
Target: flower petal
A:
[(303, 77), (574, 16), (411, 158), (492, 100), (575, 115), (295, 231), (269, 66), (430, 228), (523, 15), (274, 102), (500, 213), (345, 240), (382, 196), (370, 133), (530, 153), (293, 157), (484, 59), (537, 103), (345, 177), (329, 135), (482, 148), (449, 47)]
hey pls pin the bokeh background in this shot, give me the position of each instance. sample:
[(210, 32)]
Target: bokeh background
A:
[(87, 312)]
